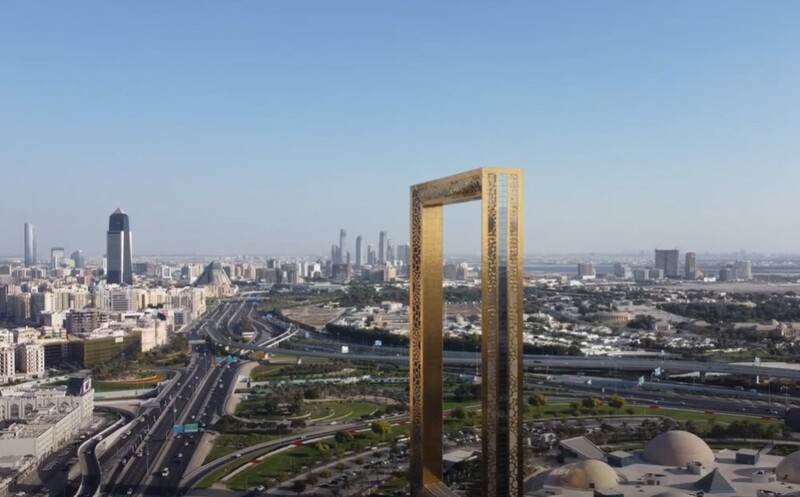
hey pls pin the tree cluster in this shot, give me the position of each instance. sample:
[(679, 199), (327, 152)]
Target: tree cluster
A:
[(778, 307)]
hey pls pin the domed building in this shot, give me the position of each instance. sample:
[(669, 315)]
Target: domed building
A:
[(590, 474), (788, 470), (677, 448)]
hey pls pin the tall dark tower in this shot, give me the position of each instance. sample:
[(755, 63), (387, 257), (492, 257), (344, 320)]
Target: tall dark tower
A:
[(382, 247), (30, 246), (118, 249), (342, 244), (359, 260)]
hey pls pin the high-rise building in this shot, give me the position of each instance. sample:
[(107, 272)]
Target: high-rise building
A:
[(390, 251), (118, 251), (30, 246), (359, 261), (372, 257), (77, 259), (402, 254), (334, 254), (586, 270), (30, 358), (342, 245), (727, 273), (622, 271), (382, 247), (667, 261), (690, 269), (743, 270), (57, 255), (7, 362)]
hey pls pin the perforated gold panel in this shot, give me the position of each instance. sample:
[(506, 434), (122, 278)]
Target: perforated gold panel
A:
[(500, 192)]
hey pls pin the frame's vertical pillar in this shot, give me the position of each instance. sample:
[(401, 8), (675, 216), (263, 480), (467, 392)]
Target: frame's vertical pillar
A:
[(432, 312), (514, 306), (501, 332), (489, 334), (415, 344)]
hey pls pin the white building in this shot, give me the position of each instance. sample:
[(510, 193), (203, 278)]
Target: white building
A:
[(153, 332), (52, 417), (7, 363), (30, 359)]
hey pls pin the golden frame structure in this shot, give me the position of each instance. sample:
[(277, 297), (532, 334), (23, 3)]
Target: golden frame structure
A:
[(500, 191)]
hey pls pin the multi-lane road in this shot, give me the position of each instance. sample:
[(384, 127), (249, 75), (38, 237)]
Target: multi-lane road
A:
[(151, 458), (327, 347)]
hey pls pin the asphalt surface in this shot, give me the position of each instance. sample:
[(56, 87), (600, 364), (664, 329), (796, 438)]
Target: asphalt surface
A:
[(226, 311), (154, 456), (198, 394)]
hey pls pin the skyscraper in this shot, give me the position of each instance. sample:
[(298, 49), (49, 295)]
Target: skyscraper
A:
[(359, 260), (30, 246), (77, 259), (382, 247), (342, 244), (118, 249), (667, 261), (372, 257), (390, 251), (622, 271), (690, 270), (586, 270), (402, 254), (57, 255), (744, 270)]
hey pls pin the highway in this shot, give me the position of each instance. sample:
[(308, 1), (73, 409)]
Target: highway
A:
[(154, 458), (198, 394), (454, 358)]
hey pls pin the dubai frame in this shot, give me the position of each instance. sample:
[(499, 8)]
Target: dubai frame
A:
[(500, 193)]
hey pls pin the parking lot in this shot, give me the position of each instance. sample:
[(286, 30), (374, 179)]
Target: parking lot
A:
[(352, 475)]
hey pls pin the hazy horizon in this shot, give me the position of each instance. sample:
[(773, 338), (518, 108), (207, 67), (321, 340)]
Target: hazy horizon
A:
[(258, 127)]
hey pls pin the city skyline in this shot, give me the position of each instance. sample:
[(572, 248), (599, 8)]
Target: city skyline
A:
[(637, 125)]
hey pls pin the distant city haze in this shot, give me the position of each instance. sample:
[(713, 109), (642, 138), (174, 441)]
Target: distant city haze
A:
[(265, 128)]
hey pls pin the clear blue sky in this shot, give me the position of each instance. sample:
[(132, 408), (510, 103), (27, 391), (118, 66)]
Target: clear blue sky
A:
[(264, 126)]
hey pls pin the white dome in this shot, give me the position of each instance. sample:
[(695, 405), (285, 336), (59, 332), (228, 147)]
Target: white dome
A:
[(590, 474), (789, 468), (677, 448)]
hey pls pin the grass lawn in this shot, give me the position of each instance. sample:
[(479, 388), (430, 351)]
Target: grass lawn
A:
[(275, 467), (215, 476), (552, 410), (783, 449), (449, 405), (266, 372), (324, 411), (339, 411), (281, 465), (228, 443), (149, 381)]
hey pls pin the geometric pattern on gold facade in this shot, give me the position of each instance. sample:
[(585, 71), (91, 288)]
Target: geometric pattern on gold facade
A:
[(500, 193)]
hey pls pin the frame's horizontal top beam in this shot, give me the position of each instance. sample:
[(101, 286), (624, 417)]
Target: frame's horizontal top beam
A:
[(457, 188)]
